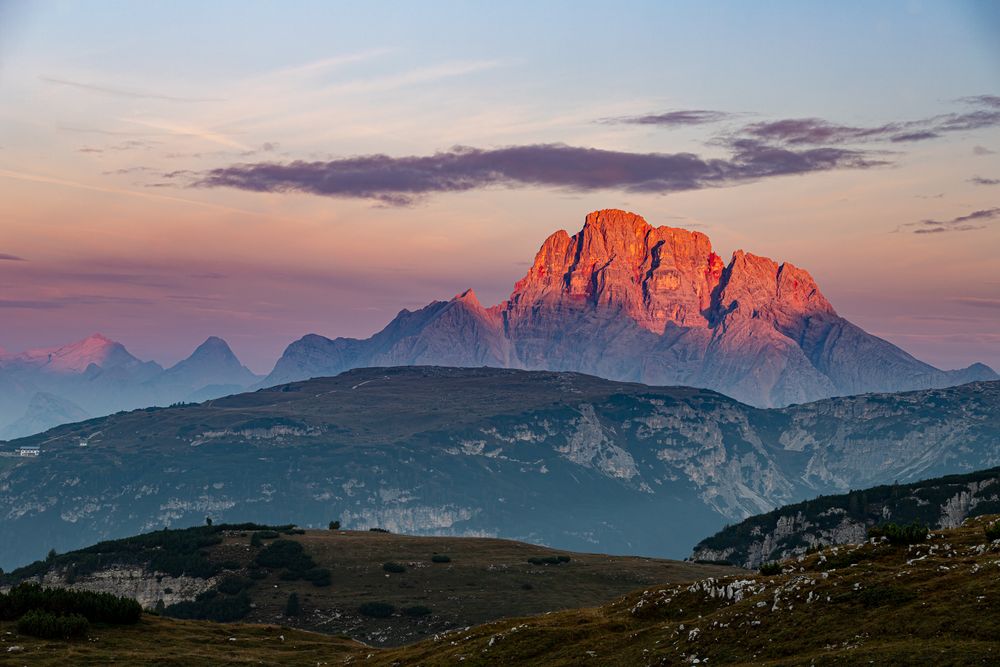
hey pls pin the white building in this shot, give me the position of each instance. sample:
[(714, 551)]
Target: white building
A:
[(29, 451)]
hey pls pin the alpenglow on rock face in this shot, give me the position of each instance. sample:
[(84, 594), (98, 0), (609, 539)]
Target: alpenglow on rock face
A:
[(627, 301)]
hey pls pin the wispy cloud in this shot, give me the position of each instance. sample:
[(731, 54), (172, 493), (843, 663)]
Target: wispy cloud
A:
[(979, 180), (401, 180), (963, 223), (115, 91), (982, 150), (205, 134), (70, 301), (679, 118), (978, 302), (4, 257), (817, 131)]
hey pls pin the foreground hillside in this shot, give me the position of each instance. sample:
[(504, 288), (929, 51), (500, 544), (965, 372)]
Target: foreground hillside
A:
[(563, 459), (424, 585), (934, 602), (943, 502)]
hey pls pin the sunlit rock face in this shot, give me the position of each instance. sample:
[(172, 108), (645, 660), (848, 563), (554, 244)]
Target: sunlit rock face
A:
[(628, 301)]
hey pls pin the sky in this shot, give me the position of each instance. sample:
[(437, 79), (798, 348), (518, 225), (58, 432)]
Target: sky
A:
[(263, 170)]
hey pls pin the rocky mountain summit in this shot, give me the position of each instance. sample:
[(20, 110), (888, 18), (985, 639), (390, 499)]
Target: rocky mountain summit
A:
[(563, 459), (96, 376), (624, 300)]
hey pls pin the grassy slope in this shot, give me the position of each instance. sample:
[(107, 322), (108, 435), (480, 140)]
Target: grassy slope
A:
[(484, 581), (936, 603)]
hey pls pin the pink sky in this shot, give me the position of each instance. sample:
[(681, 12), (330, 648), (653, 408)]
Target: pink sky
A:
[(111, 239)]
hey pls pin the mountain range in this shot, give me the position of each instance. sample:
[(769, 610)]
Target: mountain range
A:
[(96, 376), (563, 459), (627, 301), (620, 299)]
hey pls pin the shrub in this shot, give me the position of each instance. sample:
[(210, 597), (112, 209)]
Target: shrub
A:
[(397, 568), (319, 576), (255, 540), (267, 534), (440, 558), (233, 585), (377, 530), (285, 553), (548, 560), (37, 623), (295, 531), (292, 606), (376, 609), (334, 525), (896, 534), (212, 608), (770, 569), (257, 573), (992, 531), (417, 610), (526, 586)]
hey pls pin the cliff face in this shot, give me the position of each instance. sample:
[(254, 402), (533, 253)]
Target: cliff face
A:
[(628, 301)]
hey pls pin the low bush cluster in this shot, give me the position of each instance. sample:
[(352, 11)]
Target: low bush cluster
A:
[(60, 613), (548, 560), (440, 558), (770, 569), (210, 606), (913, 533), (417, 610), (396, 568), (376, 609), (45, 625), (992, 531), (292, 558), (95, 607)]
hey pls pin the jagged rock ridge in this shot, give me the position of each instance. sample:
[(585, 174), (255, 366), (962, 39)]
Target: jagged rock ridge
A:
[(627, 301)]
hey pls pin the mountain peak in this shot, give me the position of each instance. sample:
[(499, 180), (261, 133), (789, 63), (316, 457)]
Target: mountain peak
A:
[(469, 297), (96, 349)]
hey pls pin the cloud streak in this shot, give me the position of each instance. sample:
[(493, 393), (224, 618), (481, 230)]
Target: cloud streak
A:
[(401, 180), (979, 180), (678, 118), (123, 92), (963, 223), (4, 257), (817, 131)]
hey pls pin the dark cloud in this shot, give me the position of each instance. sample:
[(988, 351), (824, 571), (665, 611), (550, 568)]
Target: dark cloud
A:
[(979, 180), (674, 118), (4, 257), (398, 181), (816, 131), (963, 223)]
